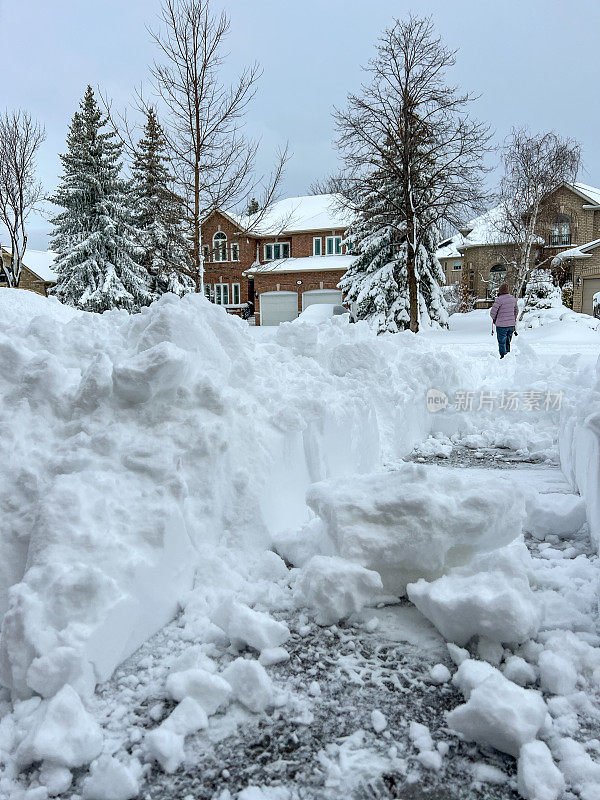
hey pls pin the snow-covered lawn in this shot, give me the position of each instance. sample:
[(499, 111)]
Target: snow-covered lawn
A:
[(240, 562)]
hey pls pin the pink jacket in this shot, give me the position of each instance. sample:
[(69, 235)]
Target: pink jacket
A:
[(504, 311)]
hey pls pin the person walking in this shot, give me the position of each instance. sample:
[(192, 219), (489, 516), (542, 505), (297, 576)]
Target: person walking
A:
[(504, 316)]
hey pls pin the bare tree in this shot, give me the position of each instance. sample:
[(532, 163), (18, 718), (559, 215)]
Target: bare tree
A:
[(408, 124), (203, 118), (535, 166), (20, 139)]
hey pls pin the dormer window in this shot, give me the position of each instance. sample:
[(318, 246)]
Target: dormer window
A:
[(220, 246), (560, 233)]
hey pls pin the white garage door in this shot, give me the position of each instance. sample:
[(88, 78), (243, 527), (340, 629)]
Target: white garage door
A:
[(332, 296), (590, 287), (277, 307)]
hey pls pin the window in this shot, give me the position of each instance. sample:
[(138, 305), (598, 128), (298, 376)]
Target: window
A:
[(317, 246), (209, 293), (220, 246), (206, 252), (334, 245), (497, 278), (456, 266), (560, 233), (222, 294), (235, 294), (235, 252), (277, 250)]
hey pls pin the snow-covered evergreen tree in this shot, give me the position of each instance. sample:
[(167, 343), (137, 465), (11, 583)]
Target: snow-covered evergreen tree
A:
[(378, 279), (541, 292), (98, 256), (159, 215)]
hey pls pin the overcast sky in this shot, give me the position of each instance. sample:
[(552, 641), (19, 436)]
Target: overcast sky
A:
[(534, 63)]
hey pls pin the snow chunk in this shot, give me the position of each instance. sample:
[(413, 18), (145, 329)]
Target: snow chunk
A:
[(250, 683), (496, 602), (439, 674), (165, 743), (486, 773), (273, 655), (457, 654), (416, 522), (421, 738), (55, 778), (335, 588), (517, 670), (378, 721), (66, 734), (470, 674), (557, 674), (538, 777), (210, 691), (500, 714), (555, 514), (109, 779), (246, 627)]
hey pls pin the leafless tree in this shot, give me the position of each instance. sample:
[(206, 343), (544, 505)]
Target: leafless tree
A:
[(408, 124), (20, 191), (203, 118), (535, 166)]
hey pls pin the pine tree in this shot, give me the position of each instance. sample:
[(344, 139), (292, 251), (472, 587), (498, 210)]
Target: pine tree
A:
[(95, 238), (159, 215), (377, 281)]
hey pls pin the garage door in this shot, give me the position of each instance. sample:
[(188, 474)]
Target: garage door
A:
[(590, 287), (321, 296), (277, 307)]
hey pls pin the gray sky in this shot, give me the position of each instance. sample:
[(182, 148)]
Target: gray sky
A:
[(534, 63)]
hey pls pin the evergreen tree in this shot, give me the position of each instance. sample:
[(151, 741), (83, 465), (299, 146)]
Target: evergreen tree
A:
[(159, 215), (377, 281), (95, 238), (253, 207)]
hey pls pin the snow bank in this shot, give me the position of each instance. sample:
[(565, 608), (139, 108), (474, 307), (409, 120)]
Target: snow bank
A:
[(415, 522), (579, 442)]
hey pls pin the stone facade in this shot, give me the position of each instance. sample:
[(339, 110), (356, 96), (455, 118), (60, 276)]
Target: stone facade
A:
[(29, 279)]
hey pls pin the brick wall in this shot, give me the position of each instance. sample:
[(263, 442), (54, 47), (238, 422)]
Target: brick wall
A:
[(301, 244), (29, 280), (228, 271), (288, 282)]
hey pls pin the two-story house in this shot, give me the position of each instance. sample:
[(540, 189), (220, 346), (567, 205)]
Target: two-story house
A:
[(480, 255), (289, 258)]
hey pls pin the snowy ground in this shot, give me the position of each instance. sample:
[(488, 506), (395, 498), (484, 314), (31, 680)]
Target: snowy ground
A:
[(357, 705)]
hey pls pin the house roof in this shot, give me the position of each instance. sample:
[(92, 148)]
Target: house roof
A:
[(581, 251), (41, 262), (590, 193), (305, 264), (314, 212)]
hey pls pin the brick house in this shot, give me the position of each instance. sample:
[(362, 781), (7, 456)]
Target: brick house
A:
[(292, 258), (479, 255), (37, 274)]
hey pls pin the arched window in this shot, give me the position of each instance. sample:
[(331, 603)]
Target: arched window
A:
[(220, 246), (497, 278), (560, 233)]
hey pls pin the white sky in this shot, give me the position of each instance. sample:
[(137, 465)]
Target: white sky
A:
[(534, 63)]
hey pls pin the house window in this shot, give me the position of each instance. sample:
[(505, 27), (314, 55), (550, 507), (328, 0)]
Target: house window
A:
[(277, 250), (497, 278), (208, 292), (235, 294), (220, 246), (560, 233), (222, 294), (206, 252), (456, 266), (333, 245), (235, 252), (317, 246)]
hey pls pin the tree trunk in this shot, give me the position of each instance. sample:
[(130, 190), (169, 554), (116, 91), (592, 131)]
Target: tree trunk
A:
[(413, 290)]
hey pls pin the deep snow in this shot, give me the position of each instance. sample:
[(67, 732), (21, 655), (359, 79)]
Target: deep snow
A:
[(152, 463)]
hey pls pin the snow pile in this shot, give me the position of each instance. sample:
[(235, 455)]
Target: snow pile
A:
[(555, 514), (490, 597), (415, 522), (497, 712)]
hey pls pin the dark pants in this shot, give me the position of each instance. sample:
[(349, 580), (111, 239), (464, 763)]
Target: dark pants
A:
[(504, 336)]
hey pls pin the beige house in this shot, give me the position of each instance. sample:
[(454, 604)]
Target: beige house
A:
[(479, 256), (37, 274)]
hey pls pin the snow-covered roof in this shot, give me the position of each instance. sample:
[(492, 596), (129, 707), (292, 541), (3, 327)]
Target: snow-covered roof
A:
[(449, 247), (581, 251), (486, 229), (314, 212), (305, 264), (40, 262), (591, 192)]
